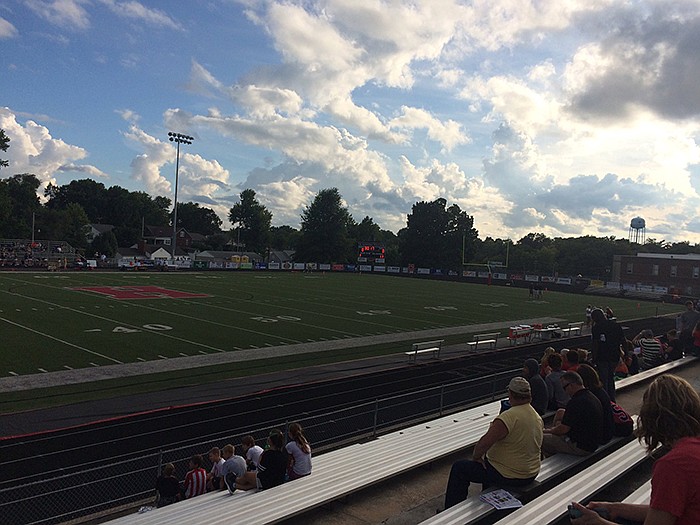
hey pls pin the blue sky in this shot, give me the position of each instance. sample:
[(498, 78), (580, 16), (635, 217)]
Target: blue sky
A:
[(565, 118)]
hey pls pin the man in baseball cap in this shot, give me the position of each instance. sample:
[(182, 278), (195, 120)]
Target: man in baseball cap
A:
[(508, 454)]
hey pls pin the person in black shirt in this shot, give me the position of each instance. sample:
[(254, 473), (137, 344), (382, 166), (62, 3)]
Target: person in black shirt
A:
[(167, 486), (606, 340), (272, 468), (540, 396), (577, 428)]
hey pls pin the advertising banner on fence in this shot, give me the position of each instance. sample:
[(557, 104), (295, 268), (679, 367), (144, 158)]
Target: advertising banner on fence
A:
[(338, 267), (393, 269), (246, 266), (563, 280), (380, 268), (423, 271), (548, 279), (365, 267), (299, 266), (324, 267), (502, 276), (274, 266), (469, 273), (532, 278), (287, 265), (201, 265)]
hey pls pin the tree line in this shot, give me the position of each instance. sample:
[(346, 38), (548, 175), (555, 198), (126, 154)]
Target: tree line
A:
[(436, 235)]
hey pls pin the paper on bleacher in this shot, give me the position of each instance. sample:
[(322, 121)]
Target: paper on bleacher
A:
[(501, 499)]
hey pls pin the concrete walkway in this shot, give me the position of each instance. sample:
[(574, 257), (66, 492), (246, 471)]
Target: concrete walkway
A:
[(87, 375)]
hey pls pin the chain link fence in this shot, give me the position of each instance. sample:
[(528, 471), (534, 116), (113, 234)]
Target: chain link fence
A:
[(129, 482)]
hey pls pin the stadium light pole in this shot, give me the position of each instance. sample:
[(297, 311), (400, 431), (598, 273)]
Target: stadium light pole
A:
[(177, 138)]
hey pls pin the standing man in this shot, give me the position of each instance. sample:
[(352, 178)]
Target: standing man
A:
[(577, 428), (509, 452), (606, 341), (688, 320)]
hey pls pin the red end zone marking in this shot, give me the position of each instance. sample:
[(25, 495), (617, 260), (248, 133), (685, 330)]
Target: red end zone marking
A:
[(139, 292)]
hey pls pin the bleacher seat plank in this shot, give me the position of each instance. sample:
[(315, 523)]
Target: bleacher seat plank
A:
[(641, 496), (551, 506)]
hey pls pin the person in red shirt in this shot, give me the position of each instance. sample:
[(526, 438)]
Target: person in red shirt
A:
[(670, 416), (196, 479)]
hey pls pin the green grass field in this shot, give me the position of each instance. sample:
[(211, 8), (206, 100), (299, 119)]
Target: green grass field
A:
[(49, 324)]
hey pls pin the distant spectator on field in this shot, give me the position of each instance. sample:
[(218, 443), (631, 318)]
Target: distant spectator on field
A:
[(650, 348), (234, 466), (607, 339), (576, 429), (214, 476), (674, 349), (538, 388), (556, 395), (299, 451), (589, 309), (592, 382), (167, 487), (252, 452), (687, 322), (272, 468), (196, 479)]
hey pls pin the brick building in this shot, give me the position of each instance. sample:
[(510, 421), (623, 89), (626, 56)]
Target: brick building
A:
[(679, 274)]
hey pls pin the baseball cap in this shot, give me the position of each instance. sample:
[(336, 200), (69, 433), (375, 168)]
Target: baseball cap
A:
[(519, 385)]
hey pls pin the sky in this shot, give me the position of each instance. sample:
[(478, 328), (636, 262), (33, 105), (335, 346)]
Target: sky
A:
[(562, 117)]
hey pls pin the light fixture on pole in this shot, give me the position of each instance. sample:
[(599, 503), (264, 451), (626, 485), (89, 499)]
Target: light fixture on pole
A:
[(178, 138)]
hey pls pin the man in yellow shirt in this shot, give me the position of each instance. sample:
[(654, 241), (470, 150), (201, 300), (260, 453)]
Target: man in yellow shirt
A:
[(508, 454)]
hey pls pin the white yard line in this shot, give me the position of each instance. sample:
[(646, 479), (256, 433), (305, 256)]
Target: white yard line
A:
[(43, 334)]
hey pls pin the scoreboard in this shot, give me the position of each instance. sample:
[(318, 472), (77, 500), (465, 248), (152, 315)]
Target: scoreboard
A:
[(370, 253)]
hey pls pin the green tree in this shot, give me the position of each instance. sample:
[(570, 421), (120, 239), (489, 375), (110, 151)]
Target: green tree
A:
[(104, 243), (284, 237), (18, 194), (69, 225), (437, 236), (198, 219), (253, 222), (4, 145), (87, 193), (325, 224)]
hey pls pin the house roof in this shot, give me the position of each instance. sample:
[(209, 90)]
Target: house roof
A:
[(102, 228)]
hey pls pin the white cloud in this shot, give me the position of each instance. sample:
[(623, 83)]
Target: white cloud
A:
[(448, 133), (64, 13), (7, 30), (33, 150), (137, 11), (86, 169)]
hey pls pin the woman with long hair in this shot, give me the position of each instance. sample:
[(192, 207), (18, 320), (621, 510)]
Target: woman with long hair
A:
[(669, 417), (299, 452)]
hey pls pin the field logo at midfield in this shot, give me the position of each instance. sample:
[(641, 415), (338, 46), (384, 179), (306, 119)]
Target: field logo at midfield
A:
[(139, 292)]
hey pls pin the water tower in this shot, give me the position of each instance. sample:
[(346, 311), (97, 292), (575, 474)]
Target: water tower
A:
[(637, 230)]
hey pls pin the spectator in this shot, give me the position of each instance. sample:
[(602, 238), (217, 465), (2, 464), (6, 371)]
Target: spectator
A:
[(688, 320), (592, 382), (670, 416), (509, 452), (606, 340), (556, 395), (538, 388), (675, 348), (271, 470), (609, 314), (577, 429), (234, 466), (252, 452), (650, 349), (214, 476), (196, 479), (545, 369), (572, 361), (696, 340), (299, 452), (167, 487)]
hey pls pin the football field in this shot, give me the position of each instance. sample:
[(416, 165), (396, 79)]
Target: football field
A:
[(63, 321)]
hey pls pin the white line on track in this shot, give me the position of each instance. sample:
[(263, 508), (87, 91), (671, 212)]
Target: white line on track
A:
[(60, 340)]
